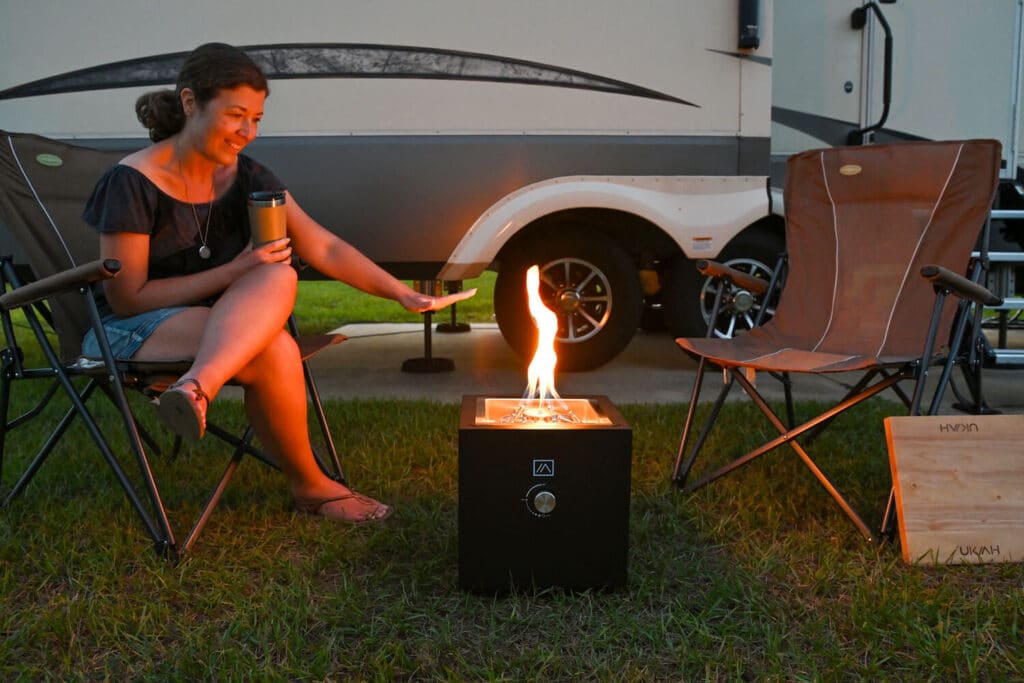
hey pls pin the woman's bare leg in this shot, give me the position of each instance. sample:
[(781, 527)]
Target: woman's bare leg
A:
[(242, 336), (226, 337), (275, 401)]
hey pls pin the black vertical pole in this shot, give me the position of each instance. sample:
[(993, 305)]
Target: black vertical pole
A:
[(750, 25)]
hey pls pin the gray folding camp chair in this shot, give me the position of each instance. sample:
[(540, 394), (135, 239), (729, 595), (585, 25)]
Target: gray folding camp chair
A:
[(43, 187), (877, 238)]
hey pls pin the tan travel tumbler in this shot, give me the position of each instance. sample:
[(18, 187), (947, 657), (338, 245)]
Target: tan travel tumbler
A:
[(267, 219)]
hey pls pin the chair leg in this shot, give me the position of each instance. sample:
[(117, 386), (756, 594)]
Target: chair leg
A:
[(787, 387), (971, 369), (215, 496), (789, 437), (144, 434), (79, 409), (160, 529), (321, 417), (902, 395), (44, 452), (853, 391), (40, 405), (241, 442), (681, 471), (926, 356), (243, 446), (888, 528), (158, 525), (5, 404), (318, 410), (975, 403), (978, 349)]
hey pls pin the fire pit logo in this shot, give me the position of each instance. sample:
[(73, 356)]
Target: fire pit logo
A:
[(543, 468)]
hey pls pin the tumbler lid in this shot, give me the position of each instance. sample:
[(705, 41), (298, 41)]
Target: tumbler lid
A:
[(265, 198)]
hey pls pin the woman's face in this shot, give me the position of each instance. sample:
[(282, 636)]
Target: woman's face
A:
[(222, 127)]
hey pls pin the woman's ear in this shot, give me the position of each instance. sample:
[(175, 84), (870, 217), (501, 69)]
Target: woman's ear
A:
[(188, 101)]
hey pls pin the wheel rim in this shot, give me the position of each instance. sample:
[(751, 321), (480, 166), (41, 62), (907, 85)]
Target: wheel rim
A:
[(580, 296), (739, 307)]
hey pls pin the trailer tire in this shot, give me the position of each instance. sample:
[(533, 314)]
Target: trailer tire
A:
[(587, 280), (690, 295)]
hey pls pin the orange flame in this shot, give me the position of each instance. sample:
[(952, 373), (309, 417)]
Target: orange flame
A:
[(541, 373)]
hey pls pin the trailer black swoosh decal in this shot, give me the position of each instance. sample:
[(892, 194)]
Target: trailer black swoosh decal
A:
[(342, 60), (832, 132), (767, 61)]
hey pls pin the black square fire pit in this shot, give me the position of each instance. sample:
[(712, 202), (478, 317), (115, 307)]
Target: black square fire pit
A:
[(543, 494)]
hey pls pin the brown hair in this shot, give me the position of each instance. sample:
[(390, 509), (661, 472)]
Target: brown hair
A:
[(207, 70)]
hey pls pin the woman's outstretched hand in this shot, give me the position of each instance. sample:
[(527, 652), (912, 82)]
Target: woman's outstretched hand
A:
[(421, 303)]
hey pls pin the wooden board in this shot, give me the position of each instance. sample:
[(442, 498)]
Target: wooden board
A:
[(959, 482)]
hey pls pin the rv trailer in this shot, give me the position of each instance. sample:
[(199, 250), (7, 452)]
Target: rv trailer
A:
[(602, 139), (612, 143)]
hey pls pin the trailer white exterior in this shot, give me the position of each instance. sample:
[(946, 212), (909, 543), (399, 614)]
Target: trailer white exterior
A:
[(601, 138), (438, 136), (955, 74)]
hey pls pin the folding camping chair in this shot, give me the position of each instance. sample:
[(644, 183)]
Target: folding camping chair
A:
[(43, 187), (876, 238)]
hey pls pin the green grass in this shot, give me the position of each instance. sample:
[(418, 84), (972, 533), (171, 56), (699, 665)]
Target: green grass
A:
[(324, 305), (756, 577)]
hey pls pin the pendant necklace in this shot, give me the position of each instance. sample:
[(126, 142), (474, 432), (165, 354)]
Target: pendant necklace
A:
[(204, 250)]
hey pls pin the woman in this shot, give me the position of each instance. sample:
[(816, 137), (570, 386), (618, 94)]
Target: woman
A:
[(192, 286)]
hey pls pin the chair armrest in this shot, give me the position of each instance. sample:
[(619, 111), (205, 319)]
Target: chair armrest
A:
[(747, 281), (58, 283), (310, 345), (959, 285)]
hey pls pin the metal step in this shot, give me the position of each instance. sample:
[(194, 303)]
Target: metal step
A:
[(1008, 358)]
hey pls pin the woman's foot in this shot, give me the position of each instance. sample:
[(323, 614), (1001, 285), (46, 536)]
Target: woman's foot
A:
[(346, 507), (182, 407)]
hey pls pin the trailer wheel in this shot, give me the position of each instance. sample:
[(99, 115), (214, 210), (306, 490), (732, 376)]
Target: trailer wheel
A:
[(691, 295), (587, 280)]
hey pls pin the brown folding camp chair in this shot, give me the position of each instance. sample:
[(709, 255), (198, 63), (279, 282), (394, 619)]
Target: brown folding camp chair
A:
[(877, 238), (43, 187)]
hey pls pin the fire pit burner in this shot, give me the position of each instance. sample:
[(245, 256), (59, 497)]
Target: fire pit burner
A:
[(540, 412)]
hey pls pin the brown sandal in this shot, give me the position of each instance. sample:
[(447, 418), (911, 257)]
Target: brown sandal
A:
[(183, 410), (312, 506)]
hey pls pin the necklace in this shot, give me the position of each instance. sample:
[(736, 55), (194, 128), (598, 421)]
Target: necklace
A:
[(204, 249)]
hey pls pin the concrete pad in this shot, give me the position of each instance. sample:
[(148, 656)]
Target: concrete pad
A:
[(652, 369)]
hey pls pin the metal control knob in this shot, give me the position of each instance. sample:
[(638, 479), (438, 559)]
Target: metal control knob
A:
[(544, 502)]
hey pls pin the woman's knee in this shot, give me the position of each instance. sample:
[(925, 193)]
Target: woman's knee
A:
[(267, 285), (281, 277), (276, 360), (267, 291)]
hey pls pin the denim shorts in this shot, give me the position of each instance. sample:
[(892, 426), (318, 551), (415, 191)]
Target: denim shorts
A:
[(126, 335)]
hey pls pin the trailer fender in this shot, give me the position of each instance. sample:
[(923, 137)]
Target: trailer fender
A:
[(700, 213)]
